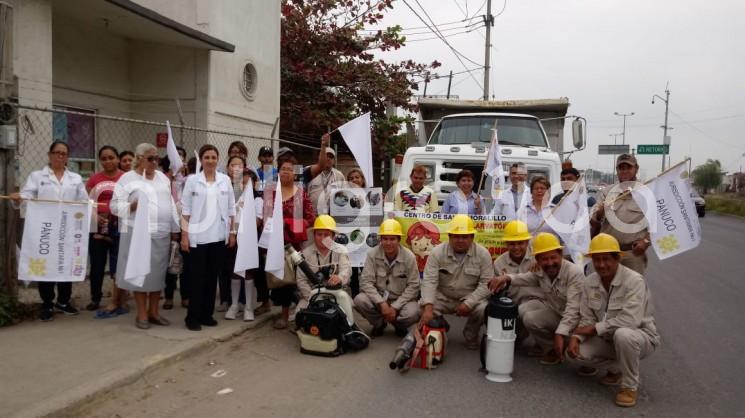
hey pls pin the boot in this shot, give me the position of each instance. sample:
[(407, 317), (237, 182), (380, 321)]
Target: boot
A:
[(250, 289)]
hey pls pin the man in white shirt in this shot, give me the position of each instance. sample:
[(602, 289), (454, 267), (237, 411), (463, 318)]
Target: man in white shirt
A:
[(516, 196)]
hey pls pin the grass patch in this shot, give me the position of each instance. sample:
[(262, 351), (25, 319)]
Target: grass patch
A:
[(726, 205), (12, 311)]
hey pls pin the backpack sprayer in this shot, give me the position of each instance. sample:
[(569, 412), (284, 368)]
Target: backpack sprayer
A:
[(423, 349)]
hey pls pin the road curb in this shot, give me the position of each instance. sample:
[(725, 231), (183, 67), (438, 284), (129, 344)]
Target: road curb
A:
[(729, 215), (67, 403)]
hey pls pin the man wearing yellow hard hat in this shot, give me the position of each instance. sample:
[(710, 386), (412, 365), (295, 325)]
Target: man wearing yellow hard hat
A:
[(516, 260), (321, 256), (456, 279), (389, 284), (616, 327), (551, 319)]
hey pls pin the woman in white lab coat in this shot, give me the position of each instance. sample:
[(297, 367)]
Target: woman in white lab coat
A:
[(54, 182), (208, 209), (145, 181)]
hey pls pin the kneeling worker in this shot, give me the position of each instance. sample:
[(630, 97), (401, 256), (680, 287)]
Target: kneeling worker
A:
[(321, 257), (389, 285), (616, 328), (456, 279), (551, 319), (516, 260)]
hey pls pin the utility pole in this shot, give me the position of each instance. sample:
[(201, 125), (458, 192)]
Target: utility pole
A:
[(489, 22), (450, 82), (624, 123), (426, 81), (664, 127)]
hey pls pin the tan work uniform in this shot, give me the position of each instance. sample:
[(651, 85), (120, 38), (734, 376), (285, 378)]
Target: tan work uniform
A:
[(340, 267), (395, 282), (623, 318), (557, 312), (449, 281), (519, 294), (623, 211)]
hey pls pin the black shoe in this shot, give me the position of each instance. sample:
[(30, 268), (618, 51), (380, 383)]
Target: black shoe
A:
[(93, 306), (378, 331), (193, 327), (66, 309), (209, 322), (46, 314)]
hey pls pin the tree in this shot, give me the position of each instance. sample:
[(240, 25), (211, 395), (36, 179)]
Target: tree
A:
[(708, 176), (330, 75)]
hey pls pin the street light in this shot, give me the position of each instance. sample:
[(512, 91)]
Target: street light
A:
[(624, 115)]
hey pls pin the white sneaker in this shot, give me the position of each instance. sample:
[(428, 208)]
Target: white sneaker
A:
[(248, 315), (231, 312)]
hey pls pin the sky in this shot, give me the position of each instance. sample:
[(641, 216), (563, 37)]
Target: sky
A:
[(605, 56)]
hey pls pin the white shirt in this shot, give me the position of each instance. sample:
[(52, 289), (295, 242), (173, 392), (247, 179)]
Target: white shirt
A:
[(163, 216), (505, 205), (43, 184), (210, 208), (534, 218)]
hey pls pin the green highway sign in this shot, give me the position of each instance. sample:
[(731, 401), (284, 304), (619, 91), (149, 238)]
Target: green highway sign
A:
[(653, 149)]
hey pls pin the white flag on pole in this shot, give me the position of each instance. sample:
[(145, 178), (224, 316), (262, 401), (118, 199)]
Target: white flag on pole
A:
[(494, 166), (138, 259), (356, 134), (172, 152), (247, 254), (673, 222), (199, 165), (571, 221), (274, 227), (55, 242)]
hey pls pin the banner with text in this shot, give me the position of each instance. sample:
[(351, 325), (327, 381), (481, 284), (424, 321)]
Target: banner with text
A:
[(423, 231), (55, 242), (358, 213)]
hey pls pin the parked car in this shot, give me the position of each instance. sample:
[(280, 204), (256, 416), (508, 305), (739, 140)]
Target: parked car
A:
[(700, 204)]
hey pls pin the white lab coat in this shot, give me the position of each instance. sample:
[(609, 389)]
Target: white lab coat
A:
[(505, 205), (195, 205), (43, 184)]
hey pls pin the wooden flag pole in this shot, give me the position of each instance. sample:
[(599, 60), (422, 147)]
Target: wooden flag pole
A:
[(574, 186), (626, 192), (488, 154), (70, 202)]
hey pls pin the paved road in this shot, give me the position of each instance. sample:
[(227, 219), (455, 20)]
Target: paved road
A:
[(699, 370)]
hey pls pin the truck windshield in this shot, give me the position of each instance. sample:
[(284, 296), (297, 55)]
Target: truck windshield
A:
[(468, 129)]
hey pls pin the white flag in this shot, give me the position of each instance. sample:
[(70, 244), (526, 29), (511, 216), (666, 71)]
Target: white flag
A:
[(55, 242), (275, 254), (673, 222), (356, 134), (494, 166), (199, 165), (138, 260), (571, 221), (172, 152), (247, 254)]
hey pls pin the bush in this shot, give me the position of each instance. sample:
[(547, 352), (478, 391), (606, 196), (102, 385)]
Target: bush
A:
[(724, 205), (11, 310)]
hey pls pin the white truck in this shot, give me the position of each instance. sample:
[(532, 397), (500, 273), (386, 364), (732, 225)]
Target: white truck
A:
[(461, 141)]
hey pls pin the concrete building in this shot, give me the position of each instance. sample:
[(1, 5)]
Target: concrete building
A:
[(219, 58)]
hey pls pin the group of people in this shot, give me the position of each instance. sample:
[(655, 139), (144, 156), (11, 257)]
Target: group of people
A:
[(602, 319)]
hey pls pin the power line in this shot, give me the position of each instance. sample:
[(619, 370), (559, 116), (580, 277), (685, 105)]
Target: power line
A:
[(437, 37), (440, 34), (701, 131), (443, 40)]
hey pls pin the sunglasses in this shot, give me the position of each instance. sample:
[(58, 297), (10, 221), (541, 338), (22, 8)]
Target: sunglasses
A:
[(152, 158)]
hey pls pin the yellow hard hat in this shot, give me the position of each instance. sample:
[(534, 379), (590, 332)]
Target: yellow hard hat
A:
[(516, 231), (461, 225), (545, 242), (325, 222), (390, 227), (604, 243)]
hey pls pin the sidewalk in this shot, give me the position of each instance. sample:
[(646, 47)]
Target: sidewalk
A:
[(53, 367)]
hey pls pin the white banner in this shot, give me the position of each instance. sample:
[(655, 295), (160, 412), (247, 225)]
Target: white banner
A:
[(55, 242), (673, 226), (247, 254), (571, 221), (494, 166), (172, 152)]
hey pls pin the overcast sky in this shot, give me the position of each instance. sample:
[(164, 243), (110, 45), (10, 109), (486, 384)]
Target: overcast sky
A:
[(606, 57)]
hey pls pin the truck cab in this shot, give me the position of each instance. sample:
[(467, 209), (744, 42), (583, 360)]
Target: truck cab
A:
[(462, 141)]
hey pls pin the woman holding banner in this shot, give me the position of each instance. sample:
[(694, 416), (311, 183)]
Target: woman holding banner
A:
[(208, 208), (464, 200), (159, 223), (538, 207), (54, 182)]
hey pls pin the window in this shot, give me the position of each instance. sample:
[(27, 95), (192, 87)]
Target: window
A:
[(249, 81), (469, 129)]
